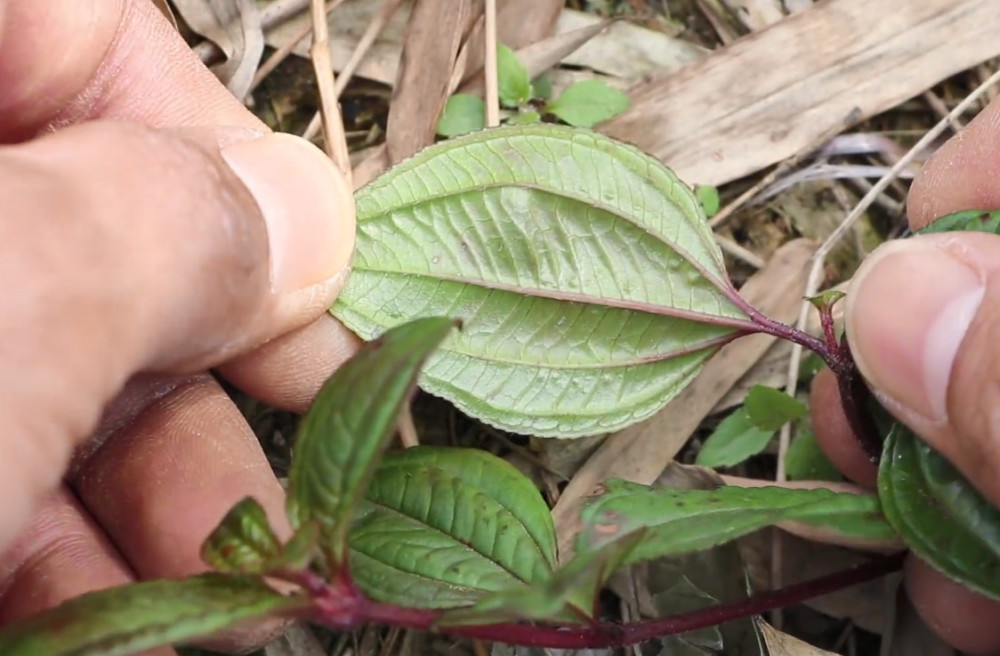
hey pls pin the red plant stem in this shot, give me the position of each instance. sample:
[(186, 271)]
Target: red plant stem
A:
[(608, 634)]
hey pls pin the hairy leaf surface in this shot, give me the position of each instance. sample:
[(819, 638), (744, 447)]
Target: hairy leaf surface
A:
[(442, 527), (682, 521), (243, 541), (341, 438), (589, 283), (141, 616), (942, 518)]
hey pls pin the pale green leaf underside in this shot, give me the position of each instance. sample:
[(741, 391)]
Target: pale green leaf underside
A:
[(942, 518), (682, 521), (142, 616), (584, 271), (442, 527)]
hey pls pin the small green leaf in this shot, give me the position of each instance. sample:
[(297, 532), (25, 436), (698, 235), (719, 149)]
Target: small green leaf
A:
[(942, 518), (966, 220), (770, 409), (587, 103), (591, 287), (568, 595), (805, 460), (443, 527), (708, 197), (734, 440), (541, 87), (513, 82), (679, 521), (243, 541), (345, 431), (827, 299), (140, 616), (524, 118), (462, 113)]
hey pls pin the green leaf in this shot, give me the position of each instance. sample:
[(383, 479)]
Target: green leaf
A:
[(805, 460), (345, 431), (708, 197), (966, 220), (541, 87), (770, 409), (587, 103), (942, 518), (734, 440), (682, 521), (568, 595), (462, 113), (524, 118), (140, 616), (243, 541), (513, 82), (591, 288), (827, 299), (442, 527)]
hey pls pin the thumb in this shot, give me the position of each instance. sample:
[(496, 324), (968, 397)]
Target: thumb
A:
[(922, 317), (129, 249)]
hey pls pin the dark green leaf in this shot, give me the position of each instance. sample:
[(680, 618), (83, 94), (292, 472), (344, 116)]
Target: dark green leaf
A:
[(443, 527), (733, 441), (243, 541), (770, 409), (568, 595), (708, 197), (590, 284), (141, 616), (513, 82), (587, 103), (345, 431), (805, 460), (462, 113), (942, 518), (967, 220), (679, 521)]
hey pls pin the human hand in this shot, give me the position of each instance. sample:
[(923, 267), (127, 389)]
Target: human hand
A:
[(922, 317), (137, 255)]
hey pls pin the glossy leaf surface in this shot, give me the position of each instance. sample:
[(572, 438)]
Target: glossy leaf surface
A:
[(141, 616), (682, 521), (942, 518), (442, 527), (590, 285), (346, 429)]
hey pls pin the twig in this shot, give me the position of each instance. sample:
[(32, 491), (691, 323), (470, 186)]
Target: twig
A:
[(282, 53), (333, 125), (490, 66), (371, 33), (740, 253), (407, 429)]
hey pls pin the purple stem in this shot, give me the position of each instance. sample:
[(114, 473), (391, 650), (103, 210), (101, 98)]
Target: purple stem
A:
[(329, 608)]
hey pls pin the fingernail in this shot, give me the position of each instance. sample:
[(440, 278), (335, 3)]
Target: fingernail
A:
[(306, 204), (908, 310)]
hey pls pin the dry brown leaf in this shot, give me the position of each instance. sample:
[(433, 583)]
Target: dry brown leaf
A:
[(782, 644), (234, 27), (640, 453), (866, 605), (297, 640), (433, 35), (775, 92), (519, 23), (756, 14), (625, 50)]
